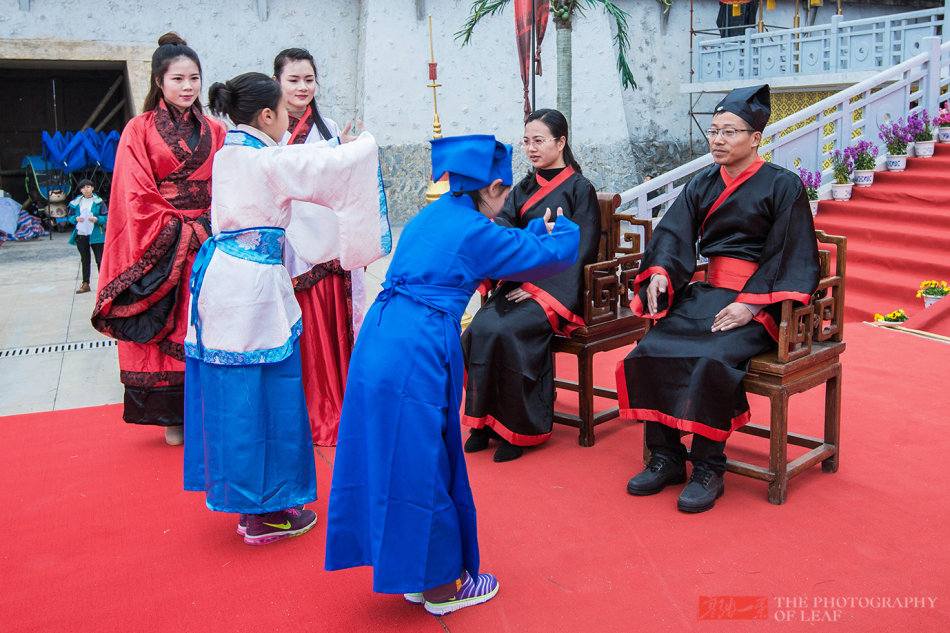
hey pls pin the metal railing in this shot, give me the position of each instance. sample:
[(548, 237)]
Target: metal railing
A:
[(869, 44), (809, 137)]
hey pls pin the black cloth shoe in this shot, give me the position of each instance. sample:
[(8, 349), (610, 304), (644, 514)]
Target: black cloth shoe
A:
[(704, 487), (659, 473), (478, 439), (507, 452)]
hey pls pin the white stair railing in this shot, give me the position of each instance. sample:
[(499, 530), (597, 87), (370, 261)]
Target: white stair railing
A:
[(868, 44), (809, 137)]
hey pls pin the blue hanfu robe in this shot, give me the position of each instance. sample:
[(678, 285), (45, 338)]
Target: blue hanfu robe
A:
[(400, 499), (248, 444)]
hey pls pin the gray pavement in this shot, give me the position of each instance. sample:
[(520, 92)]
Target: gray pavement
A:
[(51, 358)]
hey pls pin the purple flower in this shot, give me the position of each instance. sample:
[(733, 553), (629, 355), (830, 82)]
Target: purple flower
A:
[(896, 136), (918, 126), (812, 181), (862, 154)]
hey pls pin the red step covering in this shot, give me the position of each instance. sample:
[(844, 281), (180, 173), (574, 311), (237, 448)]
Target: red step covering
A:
[(898, 234)]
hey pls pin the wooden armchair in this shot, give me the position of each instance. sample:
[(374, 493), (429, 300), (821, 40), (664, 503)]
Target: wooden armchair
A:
[(609, 322), (808, 355)]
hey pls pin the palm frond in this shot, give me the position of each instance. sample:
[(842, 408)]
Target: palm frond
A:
[(622, 39), (479, 10)]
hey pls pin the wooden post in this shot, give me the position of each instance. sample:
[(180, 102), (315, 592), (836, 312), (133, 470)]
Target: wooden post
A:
[(103, 102), (109, 116)]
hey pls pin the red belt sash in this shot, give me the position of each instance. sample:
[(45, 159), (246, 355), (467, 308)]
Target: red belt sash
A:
[(729, 272)]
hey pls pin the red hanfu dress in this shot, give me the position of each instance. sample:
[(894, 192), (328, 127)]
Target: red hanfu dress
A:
[(325, 295), (161, 193)]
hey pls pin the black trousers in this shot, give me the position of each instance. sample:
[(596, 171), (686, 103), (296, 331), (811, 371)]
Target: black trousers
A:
[(83, 246), (665, 440)]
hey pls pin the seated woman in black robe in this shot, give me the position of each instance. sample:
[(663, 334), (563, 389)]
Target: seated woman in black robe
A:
[(509, 391)]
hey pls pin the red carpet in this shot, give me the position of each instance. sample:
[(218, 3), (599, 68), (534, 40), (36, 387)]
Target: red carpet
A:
[(935, 319), (898, 234), (100, 537)]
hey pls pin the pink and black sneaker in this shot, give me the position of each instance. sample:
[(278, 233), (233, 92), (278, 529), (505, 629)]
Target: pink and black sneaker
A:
[(471, 591), (263, 529)]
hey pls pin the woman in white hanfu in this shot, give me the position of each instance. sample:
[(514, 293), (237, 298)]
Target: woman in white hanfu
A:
[(247, 435), (332, 297)]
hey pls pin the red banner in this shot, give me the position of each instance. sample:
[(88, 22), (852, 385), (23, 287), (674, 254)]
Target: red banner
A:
[(523, 37)]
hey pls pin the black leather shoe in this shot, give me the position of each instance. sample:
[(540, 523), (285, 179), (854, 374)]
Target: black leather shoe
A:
[(701, 492), (659, 473), (507, 452)]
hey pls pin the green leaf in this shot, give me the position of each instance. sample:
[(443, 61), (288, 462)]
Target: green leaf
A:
[(622, 39), (479, 10)]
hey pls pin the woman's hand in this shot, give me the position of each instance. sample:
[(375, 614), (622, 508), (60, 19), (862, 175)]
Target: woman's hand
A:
[(659, 284), (346, 137), (548, 223), (93, 219), (732, 316), (518, 295)]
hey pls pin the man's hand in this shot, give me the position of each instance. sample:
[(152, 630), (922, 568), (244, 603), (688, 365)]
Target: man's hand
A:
[(659, 284), (518, 295), (732, 316)]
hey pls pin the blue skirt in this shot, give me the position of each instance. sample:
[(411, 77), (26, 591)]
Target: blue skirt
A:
[(247, 436)]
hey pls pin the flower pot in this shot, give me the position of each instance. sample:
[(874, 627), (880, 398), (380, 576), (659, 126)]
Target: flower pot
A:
[(896, 163), (863, 177), (841, 193), (943, 134), (814, 207), (929, 300), (924, 149)]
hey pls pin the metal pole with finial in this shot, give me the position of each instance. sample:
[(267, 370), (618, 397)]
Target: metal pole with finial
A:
[(435, 189)]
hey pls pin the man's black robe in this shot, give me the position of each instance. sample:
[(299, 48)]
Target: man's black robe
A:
[(682, 374)]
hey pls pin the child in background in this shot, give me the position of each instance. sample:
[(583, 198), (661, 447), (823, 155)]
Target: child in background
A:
[(88, 213), (400, 498), (247, 435)]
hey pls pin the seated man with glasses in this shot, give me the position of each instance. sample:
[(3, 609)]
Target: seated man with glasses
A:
[(751, 220)]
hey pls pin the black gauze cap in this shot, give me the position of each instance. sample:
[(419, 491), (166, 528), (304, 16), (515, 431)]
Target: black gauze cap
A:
[(753, 105)]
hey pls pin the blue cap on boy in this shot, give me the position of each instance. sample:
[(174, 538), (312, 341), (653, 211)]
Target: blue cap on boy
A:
[(472, 161)]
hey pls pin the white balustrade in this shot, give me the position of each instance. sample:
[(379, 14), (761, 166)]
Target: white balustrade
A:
[(809, 137), (839, 47)]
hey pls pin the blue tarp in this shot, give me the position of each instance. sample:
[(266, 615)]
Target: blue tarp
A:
[(76, 151)]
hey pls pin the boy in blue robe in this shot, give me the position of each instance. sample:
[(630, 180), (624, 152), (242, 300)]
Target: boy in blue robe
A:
[(400, 500)]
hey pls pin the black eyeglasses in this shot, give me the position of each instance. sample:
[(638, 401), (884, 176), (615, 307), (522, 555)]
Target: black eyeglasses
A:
[(726, 132)]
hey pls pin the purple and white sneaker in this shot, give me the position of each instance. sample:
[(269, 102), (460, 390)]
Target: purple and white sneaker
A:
[(473, 591), (414, 598), (274, 526), (242, 524)]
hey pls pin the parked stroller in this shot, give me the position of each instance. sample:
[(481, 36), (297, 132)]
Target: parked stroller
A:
[(48, 189)]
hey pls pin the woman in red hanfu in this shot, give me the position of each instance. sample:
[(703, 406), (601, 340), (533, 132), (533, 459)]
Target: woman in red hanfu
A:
[(161, 194), (332, 299)]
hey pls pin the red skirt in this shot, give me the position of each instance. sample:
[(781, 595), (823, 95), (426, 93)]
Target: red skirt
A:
[(325, 347)]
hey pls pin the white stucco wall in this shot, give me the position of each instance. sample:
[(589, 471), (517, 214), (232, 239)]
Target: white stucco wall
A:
[(372, 60), (372, 56)]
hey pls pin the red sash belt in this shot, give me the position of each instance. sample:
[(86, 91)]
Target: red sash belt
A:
[(729, 272)]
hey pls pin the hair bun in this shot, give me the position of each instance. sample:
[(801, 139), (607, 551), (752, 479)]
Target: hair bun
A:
[(220, 98), (172, 38)]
